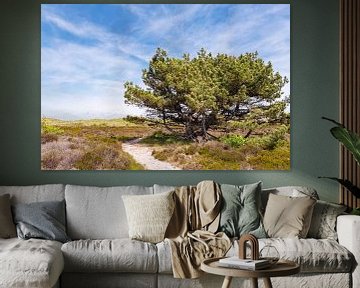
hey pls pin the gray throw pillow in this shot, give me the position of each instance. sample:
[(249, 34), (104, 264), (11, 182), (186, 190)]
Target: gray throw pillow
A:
[(7, 227), (323, 222), (240, 213), (44, 220)]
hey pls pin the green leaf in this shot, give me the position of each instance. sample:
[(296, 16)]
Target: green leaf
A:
[(333, 121), (347, 184), (348, 138), (355, 211)]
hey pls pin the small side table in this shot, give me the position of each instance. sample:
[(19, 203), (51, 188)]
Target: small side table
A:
[(281, 268)]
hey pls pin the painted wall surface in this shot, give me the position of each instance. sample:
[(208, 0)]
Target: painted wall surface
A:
[(314, 93)]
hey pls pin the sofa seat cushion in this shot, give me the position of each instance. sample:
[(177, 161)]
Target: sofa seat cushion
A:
[(30, 263), (115, 255), (313, 255)]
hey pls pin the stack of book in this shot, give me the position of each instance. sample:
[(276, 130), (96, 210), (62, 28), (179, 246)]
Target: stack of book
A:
[(248, 264)]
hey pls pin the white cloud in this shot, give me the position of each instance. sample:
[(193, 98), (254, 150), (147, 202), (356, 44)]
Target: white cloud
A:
[(81, 81), (75, 63), (165, 21), (84, 29)]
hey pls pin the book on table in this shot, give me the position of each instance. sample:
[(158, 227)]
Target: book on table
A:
[(236, 262)]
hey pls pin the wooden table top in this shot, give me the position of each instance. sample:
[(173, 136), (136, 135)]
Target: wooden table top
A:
[(281, 268)]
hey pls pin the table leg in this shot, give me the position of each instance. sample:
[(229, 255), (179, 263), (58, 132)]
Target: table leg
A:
[(254, 282), (267, 283), (227, 282)]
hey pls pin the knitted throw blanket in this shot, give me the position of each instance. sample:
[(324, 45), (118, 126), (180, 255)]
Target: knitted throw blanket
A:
[(191, 232)]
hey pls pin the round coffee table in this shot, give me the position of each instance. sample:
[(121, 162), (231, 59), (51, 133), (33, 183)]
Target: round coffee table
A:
[(281, 268)]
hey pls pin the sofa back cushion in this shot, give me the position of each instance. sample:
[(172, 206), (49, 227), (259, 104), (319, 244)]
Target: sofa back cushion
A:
[(36, 193), (163, 188), (98, 213), (7, 227)]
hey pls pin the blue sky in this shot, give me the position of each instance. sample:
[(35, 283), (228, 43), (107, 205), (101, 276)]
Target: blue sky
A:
[(88, 51)]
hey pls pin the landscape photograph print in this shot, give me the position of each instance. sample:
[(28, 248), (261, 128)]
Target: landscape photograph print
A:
[(165, 87)]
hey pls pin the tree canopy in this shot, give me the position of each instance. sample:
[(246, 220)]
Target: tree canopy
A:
[(206, 90)]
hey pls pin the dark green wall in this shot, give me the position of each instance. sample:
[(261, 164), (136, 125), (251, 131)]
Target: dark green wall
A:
[(314, 81)]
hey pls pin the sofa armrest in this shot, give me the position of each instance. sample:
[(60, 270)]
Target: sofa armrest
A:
[(348, 230)]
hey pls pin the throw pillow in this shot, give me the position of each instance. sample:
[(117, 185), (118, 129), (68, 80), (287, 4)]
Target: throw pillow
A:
[(323, 222), (149, 215), (288, 217), (240, 213), (7, 227), (43, 220), (291, 191)]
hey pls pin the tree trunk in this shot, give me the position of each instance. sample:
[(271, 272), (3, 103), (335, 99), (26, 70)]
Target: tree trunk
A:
[(164, 117), (203, 127), (189, 131)]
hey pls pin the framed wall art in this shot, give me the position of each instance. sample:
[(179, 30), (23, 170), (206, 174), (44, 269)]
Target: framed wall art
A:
[(165, 86)]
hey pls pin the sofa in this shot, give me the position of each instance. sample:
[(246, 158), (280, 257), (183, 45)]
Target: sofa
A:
[(100, 253)]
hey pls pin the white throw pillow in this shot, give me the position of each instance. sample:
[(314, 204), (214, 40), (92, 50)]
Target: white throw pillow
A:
[(149, 215)]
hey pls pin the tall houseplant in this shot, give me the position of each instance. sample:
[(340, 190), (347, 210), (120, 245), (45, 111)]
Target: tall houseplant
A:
[(351, 141)]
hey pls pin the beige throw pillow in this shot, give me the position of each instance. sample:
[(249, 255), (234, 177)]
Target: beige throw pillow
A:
[(7, 226), (148, 215), (288, 217)]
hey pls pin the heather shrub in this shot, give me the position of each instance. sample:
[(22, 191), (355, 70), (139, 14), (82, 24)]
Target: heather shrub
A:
[(276, 159), (233, 140), (161, 138), (61, 154), (208, 155), (275, 138), (104, 157), (49, 137), (218, 156), (190, 149), (51, 159), (161, 154)]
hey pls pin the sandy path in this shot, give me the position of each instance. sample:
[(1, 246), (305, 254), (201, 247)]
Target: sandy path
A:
[(143, 155)]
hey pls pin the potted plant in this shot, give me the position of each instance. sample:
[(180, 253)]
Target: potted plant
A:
[(351, 141)]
